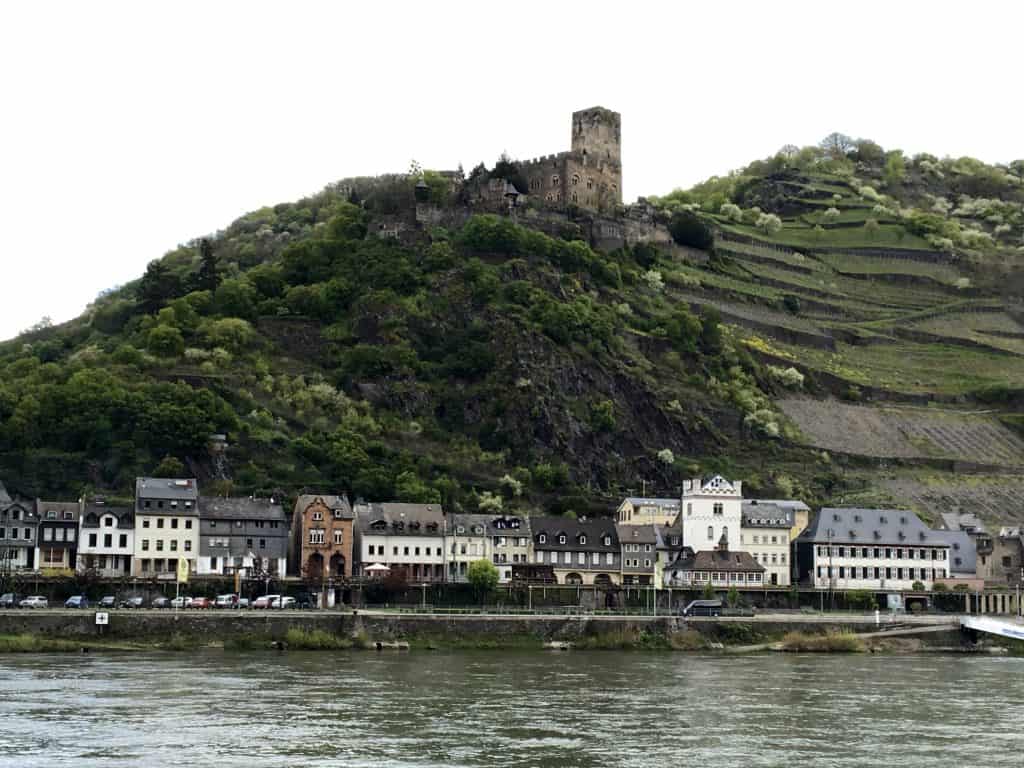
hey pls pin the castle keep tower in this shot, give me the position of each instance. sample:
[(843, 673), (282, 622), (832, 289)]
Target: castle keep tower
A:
[(597, 147), (590, 174)]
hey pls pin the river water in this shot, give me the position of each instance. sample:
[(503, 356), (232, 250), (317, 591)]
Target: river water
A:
[(491, 708)]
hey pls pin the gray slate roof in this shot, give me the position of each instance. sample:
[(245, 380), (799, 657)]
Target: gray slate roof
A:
[(240, 508), (962, 521), (962, 548), (764, 514), (334, 503), (60, 507), (401, 519), (493, 525), (794, 505), (717, 560), (594, 530), (853, 525), (637, 534), (638, 501), (93, 512), (173, 489)]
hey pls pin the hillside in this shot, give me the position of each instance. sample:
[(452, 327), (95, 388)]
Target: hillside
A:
[(855, 332)]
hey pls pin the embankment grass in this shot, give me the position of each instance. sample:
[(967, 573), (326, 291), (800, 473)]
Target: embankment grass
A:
[(625, 639), (27, 643), (830, 642)]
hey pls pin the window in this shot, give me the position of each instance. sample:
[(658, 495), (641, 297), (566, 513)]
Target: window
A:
[(248, 543), (554, 180), (316, 536), (213, 523), (711, 533), (609, 558), (689, 508), (757, 539), (28, 534), (575, 179), (318, 515), (174, 545), (417, 551), (145, 522), (159, 522), (145, 564), (542, 539), (48, 534), (583, 539), (717, 508), (561, 539), (188, 545), (108, 539), (159, 545), (338, 539), (595, 558), (92, 539), (647, 563), (566, 556), (188, 525), (394, 551), (371, 549), (145, 545), (174, 522), (122, 540), (406, 551), (108, 521), (581, 558)]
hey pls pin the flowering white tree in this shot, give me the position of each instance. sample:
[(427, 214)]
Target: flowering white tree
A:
[(831, 214), (768, 223), (665, 456), (652, 278), (731, 211)]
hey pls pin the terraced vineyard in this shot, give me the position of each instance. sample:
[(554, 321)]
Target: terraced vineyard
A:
[(905, 432), (995, 498)]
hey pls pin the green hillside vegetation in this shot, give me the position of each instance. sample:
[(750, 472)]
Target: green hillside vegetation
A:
[(491, 366)]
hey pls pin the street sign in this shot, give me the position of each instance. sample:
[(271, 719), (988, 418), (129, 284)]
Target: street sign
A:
[(102, 619)]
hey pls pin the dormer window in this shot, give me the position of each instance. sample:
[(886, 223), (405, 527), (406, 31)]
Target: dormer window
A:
[(188, 505), (607, 541), (542, 539), (460, 529), (583, 539), (561, 538)]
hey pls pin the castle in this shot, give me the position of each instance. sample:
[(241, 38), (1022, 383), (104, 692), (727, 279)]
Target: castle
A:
[(590, 174)]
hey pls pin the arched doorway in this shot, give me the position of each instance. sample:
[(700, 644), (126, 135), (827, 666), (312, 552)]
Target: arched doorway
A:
[(574, 579), (314, 570), (338, 565), (602, 580)]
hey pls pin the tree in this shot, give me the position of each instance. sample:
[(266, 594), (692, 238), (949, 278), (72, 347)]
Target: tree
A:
[(895, 167), (410, 488), (689, 229), (158, 286), (869, 152), (709, 592), (711, 331), (732, 597), (482, 577), (871, 226), (917, 586), (165, 341), (169, 466), (768, 223), (837, 145), (208, 276)]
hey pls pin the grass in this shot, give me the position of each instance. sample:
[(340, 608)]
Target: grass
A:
[(27, 643), (625, 639), (830, 642), (315, 640)]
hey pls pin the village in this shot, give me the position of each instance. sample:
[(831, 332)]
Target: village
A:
[(710, 540)]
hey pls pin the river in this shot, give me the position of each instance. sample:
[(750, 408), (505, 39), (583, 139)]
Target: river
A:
[(492, 708)]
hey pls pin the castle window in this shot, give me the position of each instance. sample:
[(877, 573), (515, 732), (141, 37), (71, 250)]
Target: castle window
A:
[(575, 197), (575, 179), (590, 183), (554, 180)]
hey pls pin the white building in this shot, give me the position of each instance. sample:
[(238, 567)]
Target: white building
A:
[(878, 549), (106, 539), (510, 543), (712, 508), (166, 525), (408, 539), (765, 535), (467, 541)]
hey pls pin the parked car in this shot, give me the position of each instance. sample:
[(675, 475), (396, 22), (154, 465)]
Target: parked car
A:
[(226, 601), (9, 600), (283, 601), (162, 602), (305, 600), (35, 601), (703, 608), (107, 602), (181, 602), (201, 602), (77, 601), (242, 602), (265, 601), (133, 602)]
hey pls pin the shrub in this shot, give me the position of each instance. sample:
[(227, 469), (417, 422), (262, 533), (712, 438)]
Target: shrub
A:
[(862, 599), (791, 303), (732, 212), (665, 456), (831, 214), (489, 503), (832, 642), (788, 377), (768, 223), (868, 193), (688, 229), (917, 586), (652, 278), (511, 486)]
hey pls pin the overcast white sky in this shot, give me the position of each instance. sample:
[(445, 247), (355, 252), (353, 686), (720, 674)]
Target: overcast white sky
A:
[(127, 128)]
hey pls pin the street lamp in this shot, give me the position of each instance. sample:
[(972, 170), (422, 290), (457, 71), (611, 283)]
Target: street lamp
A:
[(829, 533)]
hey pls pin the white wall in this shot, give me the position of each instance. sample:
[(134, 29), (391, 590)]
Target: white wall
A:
[(940, 567)]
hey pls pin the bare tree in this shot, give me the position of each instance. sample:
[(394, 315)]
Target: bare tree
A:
[(837, 145)]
